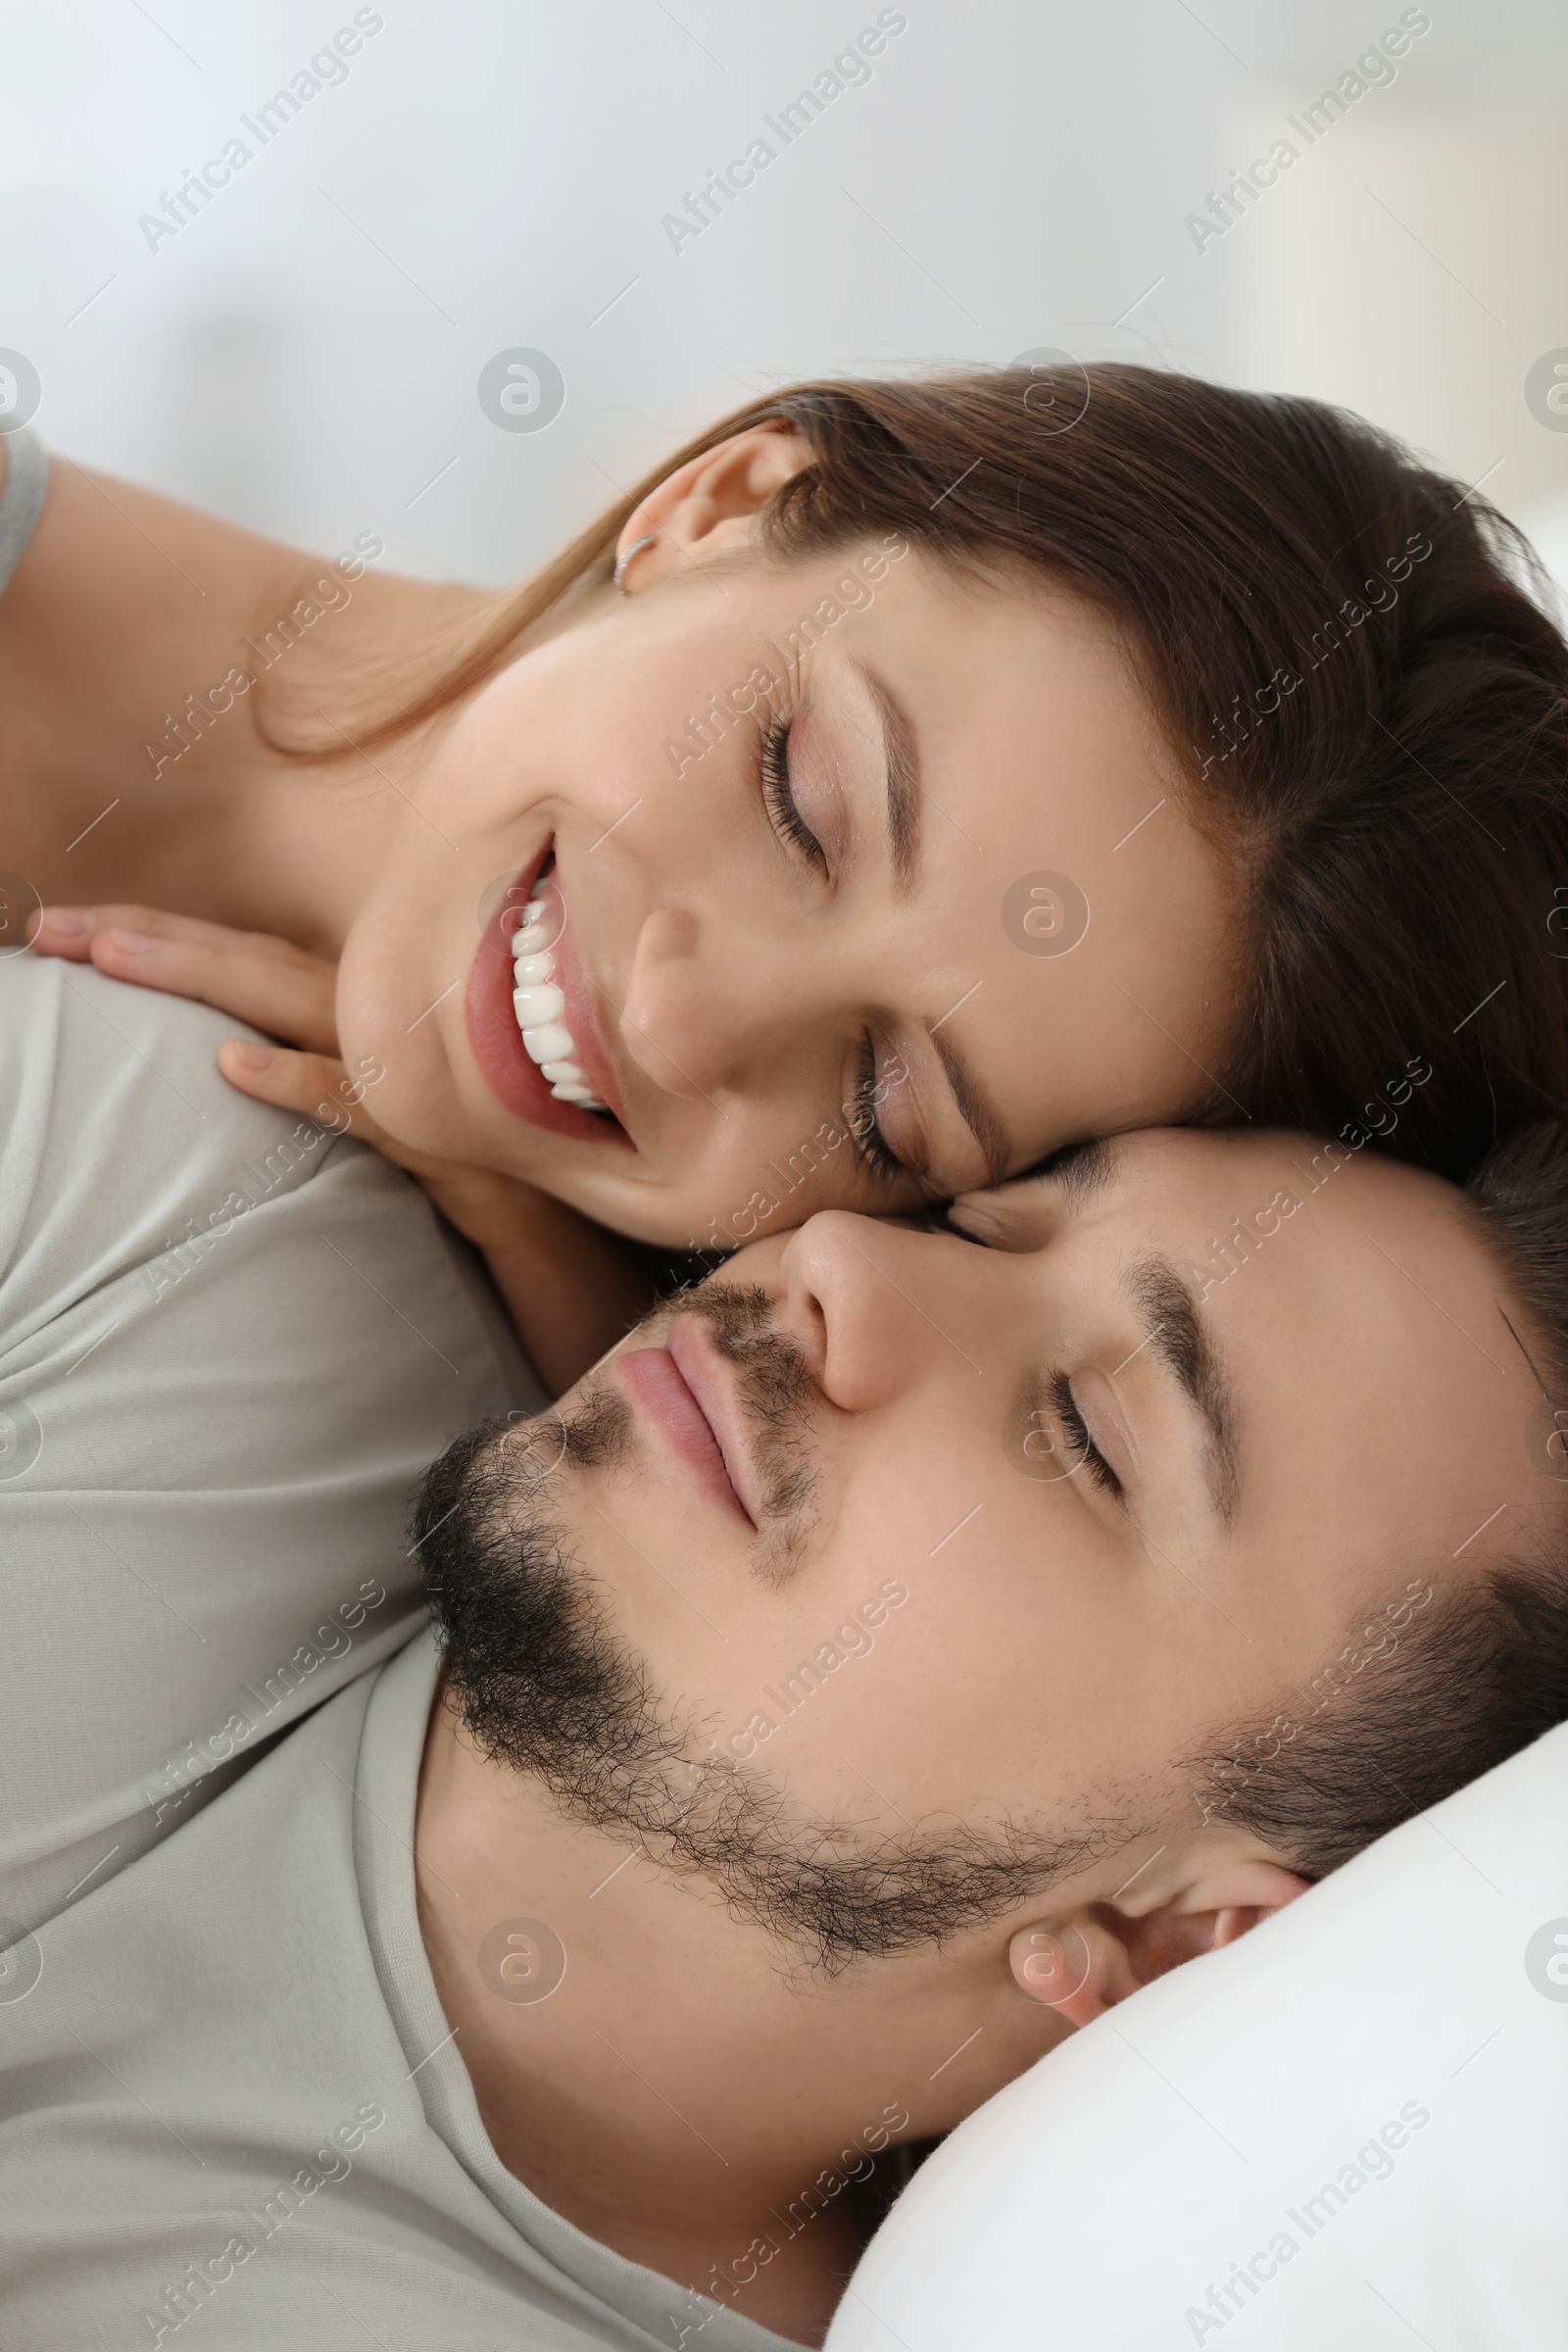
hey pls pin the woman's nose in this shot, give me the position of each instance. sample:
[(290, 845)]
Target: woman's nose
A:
[(701, 1006), (881, 1309)]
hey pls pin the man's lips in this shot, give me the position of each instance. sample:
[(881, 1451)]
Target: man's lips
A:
[(681, 1396)]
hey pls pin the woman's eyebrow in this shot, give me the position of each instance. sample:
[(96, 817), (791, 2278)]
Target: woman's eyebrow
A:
[(976, 1109), (901, 766)]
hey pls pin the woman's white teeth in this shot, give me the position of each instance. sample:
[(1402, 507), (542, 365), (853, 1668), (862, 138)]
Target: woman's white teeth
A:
[(550, 1043), (539, 1005)]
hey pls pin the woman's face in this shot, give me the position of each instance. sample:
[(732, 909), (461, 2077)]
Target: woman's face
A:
[(922, 906)]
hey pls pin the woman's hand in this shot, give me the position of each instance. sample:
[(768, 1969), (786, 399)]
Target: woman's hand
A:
[(572, 1288), (265, 981)]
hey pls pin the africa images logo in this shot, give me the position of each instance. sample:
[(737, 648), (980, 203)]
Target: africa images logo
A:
[(1374, 2161), (849, 69), (327, 69)]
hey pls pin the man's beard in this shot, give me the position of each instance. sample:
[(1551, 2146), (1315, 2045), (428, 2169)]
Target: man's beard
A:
[(543, 1683)]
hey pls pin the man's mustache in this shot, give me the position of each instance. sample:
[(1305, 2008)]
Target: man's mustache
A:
[(773, 1386), (773, 1383)]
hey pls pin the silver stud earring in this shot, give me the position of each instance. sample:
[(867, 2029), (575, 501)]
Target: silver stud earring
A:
[(625, 561)]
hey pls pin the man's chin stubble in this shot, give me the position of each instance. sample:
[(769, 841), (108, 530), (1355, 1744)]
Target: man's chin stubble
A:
[(538, 1678)]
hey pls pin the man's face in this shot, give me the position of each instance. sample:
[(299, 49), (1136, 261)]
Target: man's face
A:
[(896, 1545)]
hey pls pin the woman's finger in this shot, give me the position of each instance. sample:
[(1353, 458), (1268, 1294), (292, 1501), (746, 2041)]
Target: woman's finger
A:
[(68, 931), (64, 931), (315, 1086), (272, 985)]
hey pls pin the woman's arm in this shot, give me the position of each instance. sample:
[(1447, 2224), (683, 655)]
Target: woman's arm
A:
[(123, 602), (125, 610)]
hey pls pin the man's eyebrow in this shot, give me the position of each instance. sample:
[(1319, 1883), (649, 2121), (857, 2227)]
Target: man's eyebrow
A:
[(976, 1109), (1081, 1169), (1181, 1339), (905, 797)]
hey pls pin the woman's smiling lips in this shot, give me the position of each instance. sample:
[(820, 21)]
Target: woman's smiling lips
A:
[(512, 1075), (689, 1413)]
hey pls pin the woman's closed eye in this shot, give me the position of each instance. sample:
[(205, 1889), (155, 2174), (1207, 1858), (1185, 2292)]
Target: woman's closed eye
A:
[(884, 1164), (778, 796), (875, 1154)]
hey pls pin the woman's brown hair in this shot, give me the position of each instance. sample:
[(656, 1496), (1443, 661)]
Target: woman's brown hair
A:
[(1371, 711)]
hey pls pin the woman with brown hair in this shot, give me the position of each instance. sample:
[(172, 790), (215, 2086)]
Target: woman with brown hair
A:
[(905, 780)]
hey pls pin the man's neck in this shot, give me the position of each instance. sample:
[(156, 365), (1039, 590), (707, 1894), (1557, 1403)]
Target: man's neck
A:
[(676, 2093)]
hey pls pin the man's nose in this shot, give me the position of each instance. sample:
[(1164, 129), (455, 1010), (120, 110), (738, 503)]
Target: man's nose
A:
[(881, 1309), (704, 1005)]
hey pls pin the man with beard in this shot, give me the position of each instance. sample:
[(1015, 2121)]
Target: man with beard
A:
[(892, 1656)]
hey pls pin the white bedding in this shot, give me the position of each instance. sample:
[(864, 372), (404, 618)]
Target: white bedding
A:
[(1345, 2132)]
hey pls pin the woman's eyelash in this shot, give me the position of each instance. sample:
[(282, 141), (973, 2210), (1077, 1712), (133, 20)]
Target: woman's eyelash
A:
[(791, 828), (884, 1164), (1076, 1431), (779, 797)]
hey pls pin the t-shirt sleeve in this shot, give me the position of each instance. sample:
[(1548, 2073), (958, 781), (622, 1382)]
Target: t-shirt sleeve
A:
[(230, 1343), (26, 478)]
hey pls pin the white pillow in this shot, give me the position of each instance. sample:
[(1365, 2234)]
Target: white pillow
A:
[(1362, 2105)]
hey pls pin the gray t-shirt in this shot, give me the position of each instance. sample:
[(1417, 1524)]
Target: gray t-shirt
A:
[(230, 1342), (236, 2104), (229, 2100), (22, 496)]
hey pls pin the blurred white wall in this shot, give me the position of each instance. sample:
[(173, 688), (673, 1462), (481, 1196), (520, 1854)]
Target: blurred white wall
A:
[(305, 353)]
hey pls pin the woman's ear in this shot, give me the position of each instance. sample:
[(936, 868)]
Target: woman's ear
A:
[(712, 503), (1085, 1965)]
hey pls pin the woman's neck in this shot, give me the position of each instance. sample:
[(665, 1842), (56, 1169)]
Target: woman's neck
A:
[(146, 652)]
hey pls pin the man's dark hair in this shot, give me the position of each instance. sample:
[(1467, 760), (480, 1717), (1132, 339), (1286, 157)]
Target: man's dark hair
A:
[(1462, 1677)]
